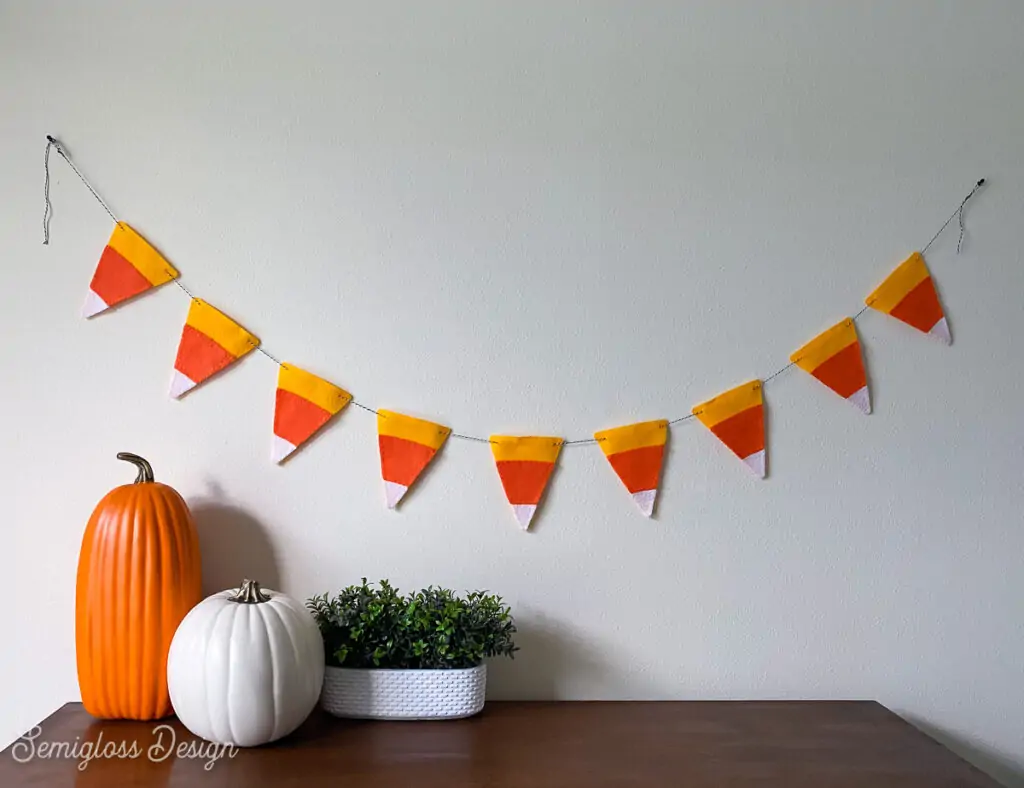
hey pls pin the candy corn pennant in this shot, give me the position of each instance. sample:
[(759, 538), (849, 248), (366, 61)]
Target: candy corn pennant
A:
[(635, 453), (525, 465), (737, 419), (834, 358), (407, 445), (210, 341), (908, 294), (304, 403), (127, 267)]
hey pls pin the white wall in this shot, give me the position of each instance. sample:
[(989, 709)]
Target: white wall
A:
[(542, 218)]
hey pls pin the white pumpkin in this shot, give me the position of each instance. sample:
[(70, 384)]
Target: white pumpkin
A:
[(245, 666)]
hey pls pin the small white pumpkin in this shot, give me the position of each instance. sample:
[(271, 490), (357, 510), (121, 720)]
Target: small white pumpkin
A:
[(245, 666)]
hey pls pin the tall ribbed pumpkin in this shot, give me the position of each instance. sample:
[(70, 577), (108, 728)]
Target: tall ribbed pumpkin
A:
[(138, 575)]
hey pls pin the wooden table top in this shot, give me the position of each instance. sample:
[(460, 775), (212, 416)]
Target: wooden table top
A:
[(816, 744)]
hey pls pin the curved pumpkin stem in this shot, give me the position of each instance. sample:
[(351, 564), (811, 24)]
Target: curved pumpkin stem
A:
[(250, 593), (145, 469)]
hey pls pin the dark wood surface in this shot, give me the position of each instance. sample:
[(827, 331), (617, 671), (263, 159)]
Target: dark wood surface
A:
[(527, 745)]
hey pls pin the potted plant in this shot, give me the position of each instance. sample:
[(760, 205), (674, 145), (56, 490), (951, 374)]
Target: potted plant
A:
[(409, 657)]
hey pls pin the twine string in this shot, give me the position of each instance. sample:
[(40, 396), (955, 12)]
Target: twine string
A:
[(960, 215), (54, 143), (863, 309), (267, 353), (185, 289), (778, 372), (958, 212), (472, 438), (47, 209)]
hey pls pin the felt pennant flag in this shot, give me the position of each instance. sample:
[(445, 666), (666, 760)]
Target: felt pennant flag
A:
[(737, 419), (210, 341), (127, 267), (524, 465), (834, 358), (407, 445), (908, 294), (635, 453), (304, 403)]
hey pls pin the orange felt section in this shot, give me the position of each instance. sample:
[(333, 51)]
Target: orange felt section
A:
[(296, 418), (401, 460), (640, 468), (199, 356), (524, 480), (744, 432), (920, 307), (843, 372), (116, 279)]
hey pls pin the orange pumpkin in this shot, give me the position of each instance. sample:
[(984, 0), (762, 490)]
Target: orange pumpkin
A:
[(138, 575)]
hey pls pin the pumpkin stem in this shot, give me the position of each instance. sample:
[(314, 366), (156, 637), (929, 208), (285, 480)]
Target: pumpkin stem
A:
[(250, 593), (145, 469)]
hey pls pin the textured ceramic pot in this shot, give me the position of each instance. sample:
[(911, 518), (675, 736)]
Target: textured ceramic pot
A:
[(404, 694)]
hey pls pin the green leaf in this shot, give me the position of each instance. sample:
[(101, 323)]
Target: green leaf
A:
[(366, 626)]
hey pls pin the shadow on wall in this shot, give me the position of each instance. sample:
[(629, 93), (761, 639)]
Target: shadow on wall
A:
[(548, 658), (997, 765), (234, 545)]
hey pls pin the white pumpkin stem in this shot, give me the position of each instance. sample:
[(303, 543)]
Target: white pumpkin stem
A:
[(250, 593)]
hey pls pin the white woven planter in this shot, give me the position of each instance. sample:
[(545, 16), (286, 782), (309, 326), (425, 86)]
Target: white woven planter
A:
[(404, 694)]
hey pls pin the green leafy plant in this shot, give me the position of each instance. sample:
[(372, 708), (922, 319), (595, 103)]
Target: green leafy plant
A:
[(367, 627)]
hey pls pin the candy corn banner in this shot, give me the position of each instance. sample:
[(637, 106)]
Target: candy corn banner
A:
[(128, 266), (908, 294), (407, 445), (834, 358), (636, 453), (210, 342), (737, 420), (303, 404), (525, 465)]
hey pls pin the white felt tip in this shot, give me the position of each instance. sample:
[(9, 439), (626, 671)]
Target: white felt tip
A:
[(756, 463), (861, 399), (180, 384), (941, 332), (645, 500), (93, 305), (393, 492), (280, 448), (524, 513)]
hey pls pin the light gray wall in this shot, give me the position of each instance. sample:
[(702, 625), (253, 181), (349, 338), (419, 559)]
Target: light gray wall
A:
[(549, 218)]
